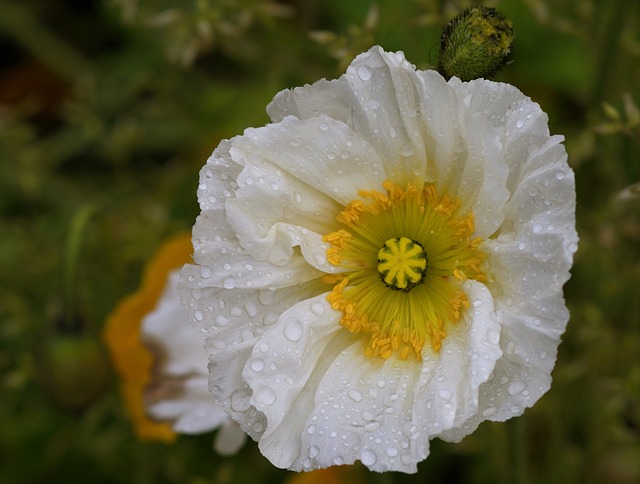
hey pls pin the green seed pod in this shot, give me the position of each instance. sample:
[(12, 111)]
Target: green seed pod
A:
[(475, 44)]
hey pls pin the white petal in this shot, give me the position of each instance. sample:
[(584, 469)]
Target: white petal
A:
[(464, 152), (216, 178), (167, 327), (380, 98), (447, 395), (324, 153), (193, 410), (229, 439), (233, 320)]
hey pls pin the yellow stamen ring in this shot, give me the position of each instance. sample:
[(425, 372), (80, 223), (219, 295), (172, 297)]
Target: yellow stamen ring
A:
[(402, 263), (388, 289)]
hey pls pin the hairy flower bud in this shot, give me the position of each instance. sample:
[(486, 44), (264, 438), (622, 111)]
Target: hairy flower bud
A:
[(475, 44)]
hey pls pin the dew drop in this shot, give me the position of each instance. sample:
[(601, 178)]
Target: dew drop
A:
[(516, 387), (317, 308), (445, 394), (311, 429), (240, 401), (519, 124), (392, 451), (229, 283), (368, 457), (227, 267), (489, 411), (313, 451), (251, 309), (257, 364), (364, 73), (258, 427), (560, 175), (537, 228), (522, 246), (324, 126), (293, 330), (372, 427), (266, 396), (375, 103), (407, 150), (205, 272), (477, 303), (221, 320), (493, 336), (355, 395), (297, 197)]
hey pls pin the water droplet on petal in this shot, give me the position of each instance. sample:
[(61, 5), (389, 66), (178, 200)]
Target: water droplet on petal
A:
[(266, 396), (324, 126), (519, 124), (516, 387), (493, 336), (293, 330), (407, 150), (445, 394), (257, 364), (477, 303), (221, 320), (537, 228), (313, 451), (317, 308), (355, 395), (560, 175), (251, 309), (368, 457), (240, 401), (392, 451), (364, 73), (311, 429), (487, 412), (198, 315)]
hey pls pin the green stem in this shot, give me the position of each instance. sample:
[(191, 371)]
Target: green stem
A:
[(72, 251)]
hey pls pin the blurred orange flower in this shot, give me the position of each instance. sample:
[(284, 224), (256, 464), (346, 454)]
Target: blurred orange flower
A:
[(129, 356)]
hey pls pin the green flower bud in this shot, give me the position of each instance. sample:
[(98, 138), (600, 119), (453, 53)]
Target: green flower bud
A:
[(474, 44)]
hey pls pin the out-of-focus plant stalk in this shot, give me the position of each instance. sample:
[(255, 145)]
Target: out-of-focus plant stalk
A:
[(72, 251)]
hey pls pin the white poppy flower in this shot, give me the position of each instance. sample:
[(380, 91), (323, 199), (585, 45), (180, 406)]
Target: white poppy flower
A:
[(382, 265)]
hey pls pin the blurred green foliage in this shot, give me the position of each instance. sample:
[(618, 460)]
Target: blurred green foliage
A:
[(109, 108)]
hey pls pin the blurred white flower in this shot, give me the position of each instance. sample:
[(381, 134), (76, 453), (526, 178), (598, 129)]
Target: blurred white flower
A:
[(382, 265), (179, 391), (161, 359)]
